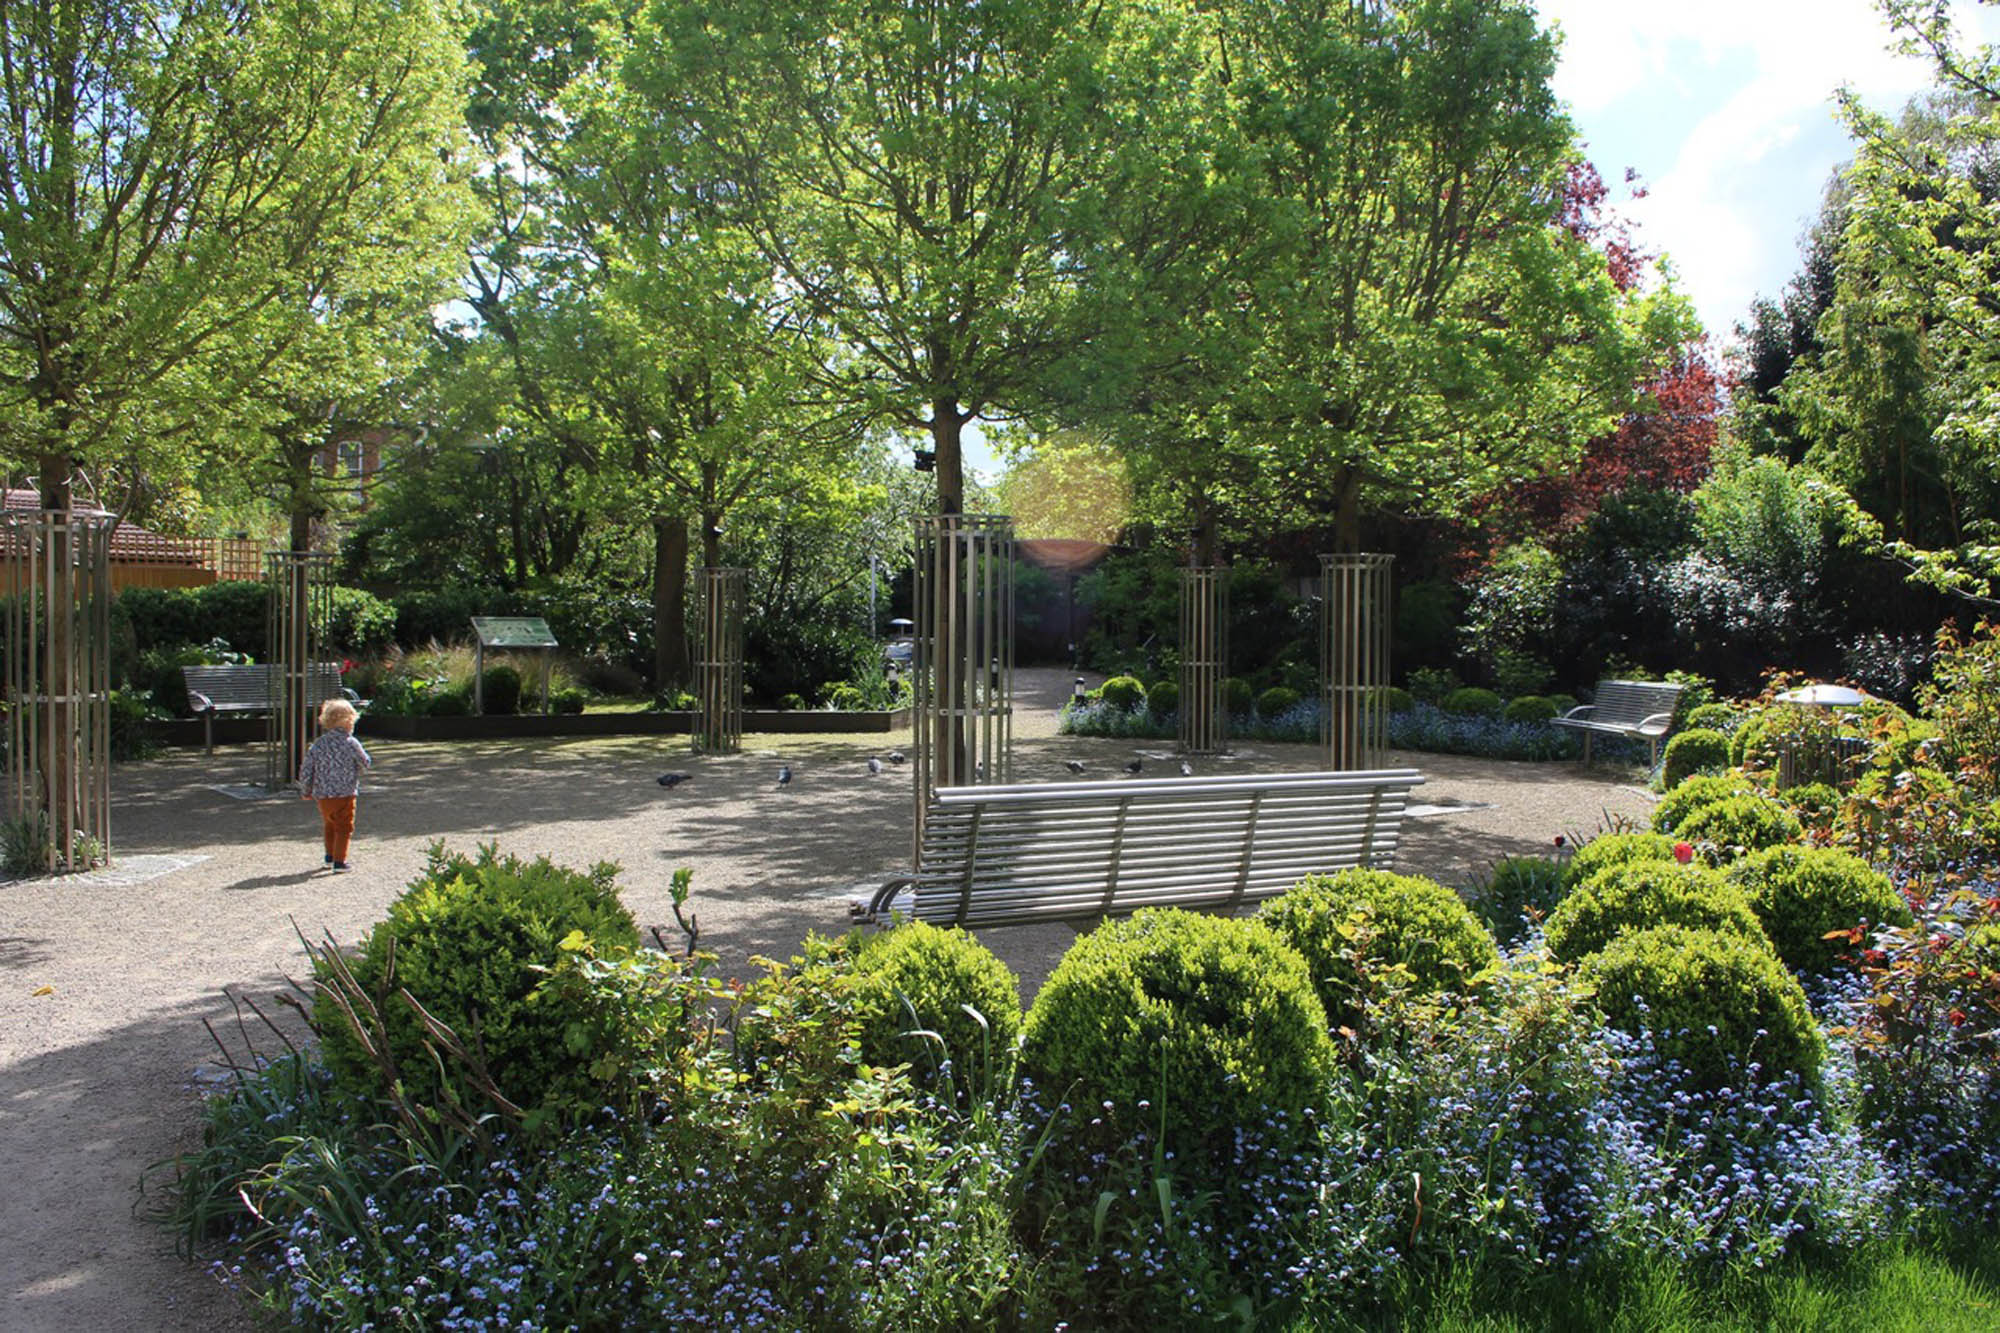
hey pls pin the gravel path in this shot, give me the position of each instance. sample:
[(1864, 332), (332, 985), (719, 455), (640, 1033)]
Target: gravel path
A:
[(105, 979)]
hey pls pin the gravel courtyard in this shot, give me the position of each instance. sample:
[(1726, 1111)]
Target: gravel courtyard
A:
[(105, 978)]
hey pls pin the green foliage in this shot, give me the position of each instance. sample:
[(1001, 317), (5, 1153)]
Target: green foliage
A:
[(24, 844), (1518, 890), (1815, 803), (1624, 898), (1362, 932), (913, 987), (1163, 699), (1425, 627), (131, 737), (1472, 701), (1512, 604), (1694, 793), (1801, 894), (466, 940), (1744, 822), (1696, 751), (1190, 1025), (500, 690), (1238, 696), (1126, 692), (1277, 701), (1397, 699), (568, 701), (1720, 717), (1516, 672), (1963, 699), (1712, 1001), (1431, 684), (1528, 708), (1618, 849)]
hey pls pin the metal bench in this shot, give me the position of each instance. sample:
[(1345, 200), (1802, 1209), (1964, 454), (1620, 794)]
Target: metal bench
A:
[(1078, 851), (1641, 709), (253, 688)]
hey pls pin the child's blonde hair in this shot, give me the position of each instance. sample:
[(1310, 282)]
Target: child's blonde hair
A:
[(337, 713)]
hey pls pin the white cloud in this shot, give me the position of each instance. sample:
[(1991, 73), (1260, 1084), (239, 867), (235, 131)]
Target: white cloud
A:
[(1727, 109)]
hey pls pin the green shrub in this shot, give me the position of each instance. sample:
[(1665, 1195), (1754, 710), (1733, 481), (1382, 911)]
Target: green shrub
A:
[(569, 700), (1714, 717), (918, 977), (1620, 899), (1749, 822), (1694, 793), (1353, 926), (1515, 888), (1432, 684), (1471, 701), (1981, 946), (451, 701), (1757, 741), (1237, 695), (1397, 700), (1209, 1021), (466, 937), (1801, 893), (500, 690), (791, 703), (1713, 1002), (1618, 849), (1124, 692), (361, 622), (1563, 702), (1699, 750), (1277, 701), (1815, 803), (1163, 699), (1528, 708)]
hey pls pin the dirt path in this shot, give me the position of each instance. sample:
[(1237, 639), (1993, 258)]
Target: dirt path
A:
[(104, 979)]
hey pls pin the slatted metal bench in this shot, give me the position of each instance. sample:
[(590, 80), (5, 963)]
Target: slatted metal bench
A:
[(253, 688), (1079, 851), (1641, 709)]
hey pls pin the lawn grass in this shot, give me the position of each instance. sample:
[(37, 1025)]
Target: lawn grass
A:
[(1890, 1287)]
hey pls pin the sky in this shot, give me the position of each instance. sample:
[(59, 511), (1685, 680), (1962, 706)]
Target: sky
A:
[(1725, 108)]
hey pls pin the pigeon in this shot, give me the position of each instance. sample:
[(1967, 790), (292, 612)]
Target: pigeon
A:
[(874, 764), (784, 774), (674, 779), (895, 756), (1074, 766), (1187, 769), (1133, 767)]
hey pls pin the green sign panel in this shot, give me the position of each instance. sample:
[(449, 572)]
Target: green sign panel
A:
[(513, 632)]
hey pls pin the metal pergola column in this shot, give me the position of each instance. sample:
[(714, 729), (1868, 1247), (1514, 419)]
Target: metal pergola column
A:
[(300, 620)]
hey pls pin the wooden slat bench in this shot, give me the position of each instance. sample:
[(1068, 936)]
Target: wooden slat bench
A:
[(1634, 708), (1078, 851), (252, 688)]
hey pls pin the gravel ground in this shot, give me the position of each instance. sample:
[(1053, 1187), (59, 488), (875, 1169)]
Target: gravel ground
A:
[(105, 979)]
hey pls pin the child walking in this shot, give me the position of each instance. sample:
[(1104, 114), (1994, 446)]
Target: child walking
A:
[(331, 775)]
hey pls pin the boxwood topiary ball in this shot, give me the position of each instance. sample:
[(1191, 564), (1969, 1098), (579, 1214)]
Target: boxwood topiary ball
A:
[(1747, 822), (1164, 699), (919, 978), (1471, 701), (1617, 849), (1517, 886), (1528, 708), (1801, 893), (1276, 700), (1713, 1001), (1692, 752), (1126, 692), (1416, 923), (1624, 898), (1212, 1021), (1694, 793)]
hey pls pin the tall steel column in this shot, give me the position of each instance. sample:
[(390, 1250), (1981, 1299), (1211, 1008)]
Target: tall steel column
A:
[(59, 681), (1204, 714), (964, 663), (718, 669), (1354, 659)]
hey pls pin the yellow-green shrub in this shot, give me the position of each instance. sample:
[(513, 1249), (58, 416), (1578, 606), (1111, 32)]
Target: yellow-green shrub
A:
[(918, 978), (1624, 898), (1801, 893)]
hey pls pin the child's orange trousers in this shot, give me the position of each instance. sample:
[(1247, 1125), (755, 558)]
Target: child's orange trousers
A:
[(336, 815)]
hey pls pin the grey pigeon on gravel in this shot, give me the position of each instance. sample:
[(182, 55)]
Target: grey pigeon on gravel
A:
[(674, 779), (1074, 765), (1187, 769), (874, 764), (1134, 766), (895, 756), (784, 774)]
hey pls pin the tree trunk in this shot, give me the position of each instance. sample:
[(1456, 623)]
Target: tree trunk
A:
[(670, 563), (1347, 509), (946, 424)]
